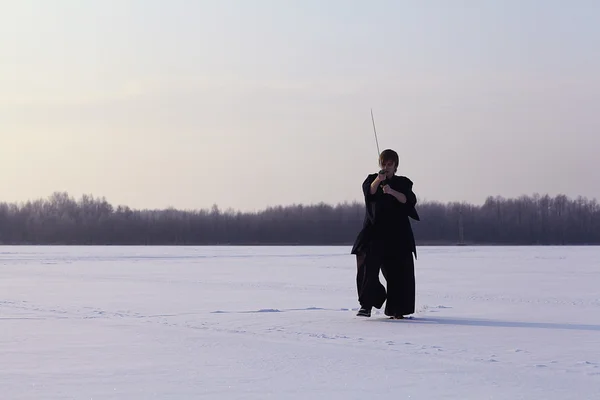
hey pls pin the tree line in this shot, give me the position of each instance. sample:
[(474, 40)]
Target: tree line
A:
[(527, 220)]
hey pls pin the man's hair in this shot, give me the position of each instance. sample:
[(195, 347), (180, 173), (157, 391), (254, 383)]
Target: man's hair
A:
[(389, 155)]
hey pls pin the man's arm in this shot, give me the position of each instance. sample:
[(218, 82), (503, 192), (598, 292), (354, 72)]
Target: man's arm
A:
[(398, 195), (409, 198), (374, 185), (370, 185)]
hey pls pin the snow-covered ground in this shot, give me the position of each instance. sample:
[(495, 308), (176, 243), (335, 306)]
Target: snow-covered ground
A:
[(279, 323)]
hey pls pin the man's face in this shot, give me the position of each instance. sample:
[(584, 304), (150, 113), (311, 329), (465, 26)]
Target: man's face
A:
[(389, 166)]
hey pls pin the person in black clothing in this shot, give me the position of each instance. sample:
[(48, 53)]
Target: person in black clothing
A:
[(386, 242)]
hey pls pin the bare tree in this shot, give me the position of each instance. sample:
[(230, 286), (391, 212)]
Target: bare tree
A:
[(526, 220)]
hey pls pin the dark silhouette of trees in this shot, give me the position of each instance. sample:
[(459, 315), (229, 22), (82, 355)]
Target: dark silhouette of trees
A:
[(527, 220)]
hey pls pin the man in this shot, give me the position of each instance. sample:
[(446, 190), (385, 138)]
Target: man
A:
[(386, 242)]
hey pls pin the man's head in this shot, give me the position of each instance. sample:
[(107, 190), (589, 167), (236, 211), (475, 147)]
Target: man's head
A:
[(388, 160)]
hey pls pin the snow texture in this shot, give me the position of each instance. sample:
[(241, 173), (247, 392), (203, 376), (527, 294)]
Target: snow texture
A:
[(279, 323)]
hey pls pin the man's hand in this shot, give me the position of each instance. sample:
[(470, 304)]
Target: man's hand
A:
[(399, 196)]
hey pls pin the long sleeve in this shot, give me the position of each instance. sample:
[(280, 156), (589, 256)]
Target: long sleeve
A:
[(411, 202), (366, 188), (411, 197), (370, 199)]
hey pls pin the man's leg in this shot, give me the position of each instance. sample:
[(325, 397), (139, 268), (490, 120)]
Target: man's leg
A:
[(371, 293), (399, 272), (360, 271)]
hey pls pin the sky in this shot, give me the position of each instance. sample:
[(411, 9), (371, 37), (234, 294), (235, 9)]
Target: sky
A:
[(246, 105)]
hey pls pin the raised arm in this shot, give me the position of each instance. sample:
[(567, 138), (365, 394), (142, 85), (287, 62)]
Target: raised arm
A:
[(370, 185)]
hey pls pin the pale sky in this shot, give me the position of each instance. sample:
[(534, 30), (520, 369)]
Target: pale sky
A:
[(248, 104)]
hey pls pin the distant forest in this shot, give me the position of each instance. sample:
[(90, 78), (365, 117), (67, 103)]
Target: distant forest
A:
[(527, 220)]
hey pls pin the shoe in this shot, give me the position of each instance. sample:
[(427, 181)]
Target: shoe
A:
[(364, 312), (399, 316)]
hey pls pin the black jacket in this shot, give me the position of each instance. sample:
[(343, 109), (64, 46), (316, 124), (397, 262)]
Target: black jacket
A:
[(386, 219)]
